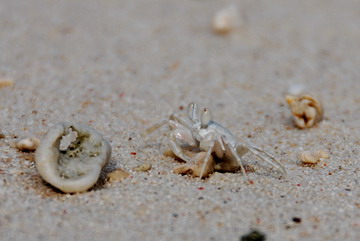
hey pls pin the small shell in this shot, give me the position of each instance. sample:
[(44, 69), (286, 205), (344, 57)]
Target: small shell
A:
[(77, 167), (226, 20), (27, 144), (306, 109), (142, 168), (308, 157), (117, 175), (5, 82), (195, 170)]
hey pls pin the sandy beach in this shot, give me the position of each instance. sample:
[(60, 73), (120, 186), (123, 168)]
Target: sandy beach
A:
[(122, 66)]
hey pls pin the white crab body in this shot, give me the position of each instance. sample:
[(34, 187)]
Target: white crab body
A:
[(216, 130), (201, 133)]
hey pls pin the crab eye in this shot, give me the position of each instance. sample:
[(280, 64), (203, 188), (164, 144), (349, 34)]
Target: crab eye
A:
[(192, 111), (205, 117)]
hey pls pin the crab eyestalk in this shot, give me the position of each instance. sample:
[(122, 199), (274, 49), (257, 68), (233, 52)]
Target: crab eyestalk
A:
[(192, 112), (205, 118)]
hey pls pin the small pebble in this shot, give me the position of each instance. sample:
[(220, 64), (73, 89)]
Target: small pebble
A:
[(27, 144), (226, 20), (296, 220), (117, 175), (5, 83), (314, 157), (254, 235), (142, 168)]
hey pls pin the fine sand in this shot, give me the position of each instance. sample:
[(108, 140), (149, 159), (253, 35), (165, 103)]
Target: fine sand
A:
[(121, 66)]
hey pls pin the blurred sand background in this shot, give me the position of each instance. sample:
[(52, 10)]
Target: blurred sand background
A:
[(121, 66)]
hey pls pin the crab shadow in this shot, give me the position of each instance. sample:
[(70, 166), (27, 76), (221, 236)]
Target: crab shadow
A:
[(264, 170), (100, 184)]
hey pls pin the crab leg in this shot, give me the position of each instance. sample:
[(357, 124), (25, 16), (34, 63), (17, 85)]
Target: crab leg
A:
[(176, 149), (207, 158), (267, 157), (154, 127), (182, 120), (192, 112), (230, 149)]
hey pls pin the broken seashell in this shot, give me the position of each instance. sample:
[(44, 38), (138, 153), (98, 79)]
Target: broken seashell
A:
[(195, 170), (27, 144), (76, 166), (306, 109)]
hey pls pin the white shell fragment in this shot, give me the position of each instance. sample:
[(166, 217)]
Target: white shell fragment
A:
[(27, 144), (226, 20), (74, 166), (6, 82), (196, 169), (308, 157), (306, 109), (117, 175), (142, 168)]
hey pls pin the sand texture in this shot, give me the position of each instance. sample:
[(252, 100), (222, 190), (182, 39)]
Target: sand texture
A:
[(121, 66)]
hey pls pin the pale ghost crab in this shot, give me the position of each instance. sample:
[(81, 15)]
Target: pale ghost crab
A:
[(209, 142)]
